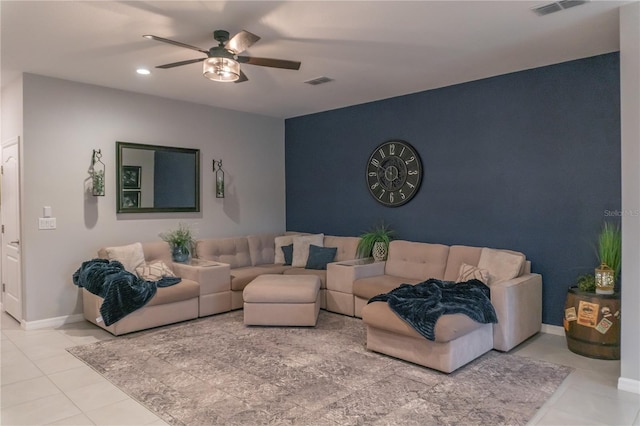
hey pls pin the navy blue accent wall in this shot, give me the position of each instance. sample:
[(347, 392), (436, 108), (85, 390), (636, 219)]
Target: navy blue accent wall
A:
[(528, 161), (173, 180)]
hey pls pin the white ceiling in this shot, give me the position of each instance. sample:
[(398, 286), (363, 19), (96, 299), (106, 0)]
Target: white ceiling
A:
[(372, 49)]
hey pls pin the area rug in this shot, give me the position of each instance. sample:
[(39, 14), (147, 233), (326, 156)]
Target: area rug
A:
[(217, 371)]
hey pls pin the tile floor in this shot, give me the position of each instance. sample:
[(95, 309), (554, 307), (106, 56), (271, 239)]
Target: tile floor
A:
[(43, 384)]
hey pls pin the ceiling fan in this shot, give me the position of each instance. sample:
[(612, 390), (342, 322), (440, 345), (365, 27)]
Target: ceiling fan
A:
[(222, 62)]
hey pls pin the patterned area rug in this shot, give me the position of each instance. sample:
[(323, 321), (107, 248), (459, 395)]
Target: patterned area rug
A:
[(215, 370)]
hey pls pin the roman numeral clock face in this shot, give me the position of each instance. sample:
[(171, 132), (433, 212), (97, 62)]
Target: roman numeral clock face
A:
[(394, 173)]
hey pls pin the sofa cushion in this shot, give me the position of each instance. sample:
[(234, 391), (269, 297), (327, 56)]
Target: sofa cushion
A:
[(131, 256), (366, 288), (153, 271), (320, 256), (301, 245), (234, 251), (280, 242), (262, 249), (320, 273), (419, 261), (346, 246), (502, 265), (240, 277), (470, 272), (448, 327), (459, 255), (184, 290), (272, 269), (288, 254)]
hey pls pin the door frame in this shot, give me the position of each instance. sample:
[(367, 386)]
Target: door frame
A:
[(7, 143)]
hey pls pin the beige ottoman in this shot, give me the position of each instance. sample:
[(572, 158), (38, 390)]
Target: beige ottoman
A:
[(282, 300)]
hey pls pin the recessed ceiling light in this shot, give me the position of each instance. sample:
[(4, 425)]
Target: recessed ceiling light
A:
[(143, 71)]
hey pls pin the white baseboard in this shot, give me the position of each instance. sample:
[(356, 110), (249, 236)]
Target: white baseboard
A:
[(51, 322), (552, 329), (629, 385)]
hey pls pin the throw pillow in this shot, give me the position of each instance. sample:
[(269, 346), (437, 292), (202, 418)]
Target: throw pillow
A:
[(288, 254), (470, 272), (154, 271), (301, 245), (281, 241), (320, 256), (502, 265), (131, 256)]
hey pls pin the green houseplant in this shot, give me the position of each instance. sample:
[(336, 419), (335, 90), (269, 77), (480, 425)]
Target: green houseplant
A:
[(98, 183), (609, 252), (587, 282), (181, 242), (594, 303), (610, 247), (375, 242), (610, 255)]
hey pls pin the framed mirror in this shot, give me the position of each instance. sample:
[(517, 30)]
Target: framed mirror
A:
[(152, 178)]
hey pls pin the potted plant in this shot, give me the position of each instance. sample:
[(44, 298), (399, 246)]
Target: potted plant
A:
[(610, 256), (609, 252), (180, 241), (375, 242), (592, 310)]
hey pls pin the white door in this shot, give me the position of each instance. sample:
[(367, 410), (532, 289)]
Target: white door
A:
[(10, 206)]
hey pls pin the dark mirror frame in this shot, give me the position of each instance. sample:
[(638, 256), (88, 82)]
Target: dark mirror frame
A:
[(121, 208)]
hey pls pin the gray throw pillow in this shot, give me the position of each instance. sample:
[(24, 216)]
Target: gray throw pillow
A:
[(288, 254), (320, 256)]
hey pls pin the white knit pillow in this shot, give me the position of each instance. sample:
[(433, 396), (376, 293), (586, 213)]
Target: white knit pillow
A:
[(470, 272), (153, 271), (131, 256), (301, 245)]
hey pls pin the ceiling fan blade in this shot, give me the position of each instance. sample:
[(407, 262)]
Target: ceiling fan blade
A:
[(177, 64), (175, 43), (269, 62), (243, 77), (241, 41)]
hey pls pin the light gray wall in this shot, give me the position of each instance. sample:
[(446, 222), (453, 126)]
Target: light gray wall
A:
[(64, 121), (11, 109), (630, 111)]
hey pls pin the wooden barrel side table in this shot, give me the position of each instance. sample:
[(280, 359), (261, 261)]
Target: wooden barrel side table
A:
[(592, 324)]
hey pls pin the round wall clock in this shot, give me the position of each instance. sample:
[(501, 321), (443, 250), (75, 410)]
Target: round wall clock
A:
[(394, 173)]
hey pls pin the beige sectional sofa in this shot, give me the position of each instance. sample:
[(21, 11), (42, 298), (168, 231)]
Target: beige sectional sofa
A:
[(214, 281), (203, 290), (255, 255), (516, 295)]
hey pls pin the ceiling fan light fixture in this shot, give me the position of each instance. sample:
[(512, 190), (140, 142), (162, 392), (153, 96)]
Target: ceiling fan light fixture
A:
[(221, 69)]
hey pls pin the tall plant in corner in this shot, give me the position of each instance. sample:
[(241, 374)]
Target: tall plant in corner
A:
[(375, 242), (610, 247)]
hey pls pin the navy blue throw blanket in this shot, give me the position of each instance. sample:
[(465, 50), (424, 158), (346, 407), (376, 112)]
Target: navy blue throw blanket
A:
[(122, 291), (422, 304)]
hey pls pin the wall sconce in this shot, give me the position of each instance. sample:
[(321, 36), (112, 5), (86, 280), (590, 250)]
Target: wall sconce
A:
[(604, 279), (219, 179), (97, 174)]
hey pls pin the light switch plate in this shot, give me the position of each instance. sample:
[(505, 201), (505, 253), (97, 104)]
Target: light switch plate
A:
[(47, 223)]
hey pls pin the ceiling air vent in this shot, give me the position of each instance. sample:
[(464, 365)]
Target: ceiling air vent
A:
[(566, 4), (546, 9), (319, 80)]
